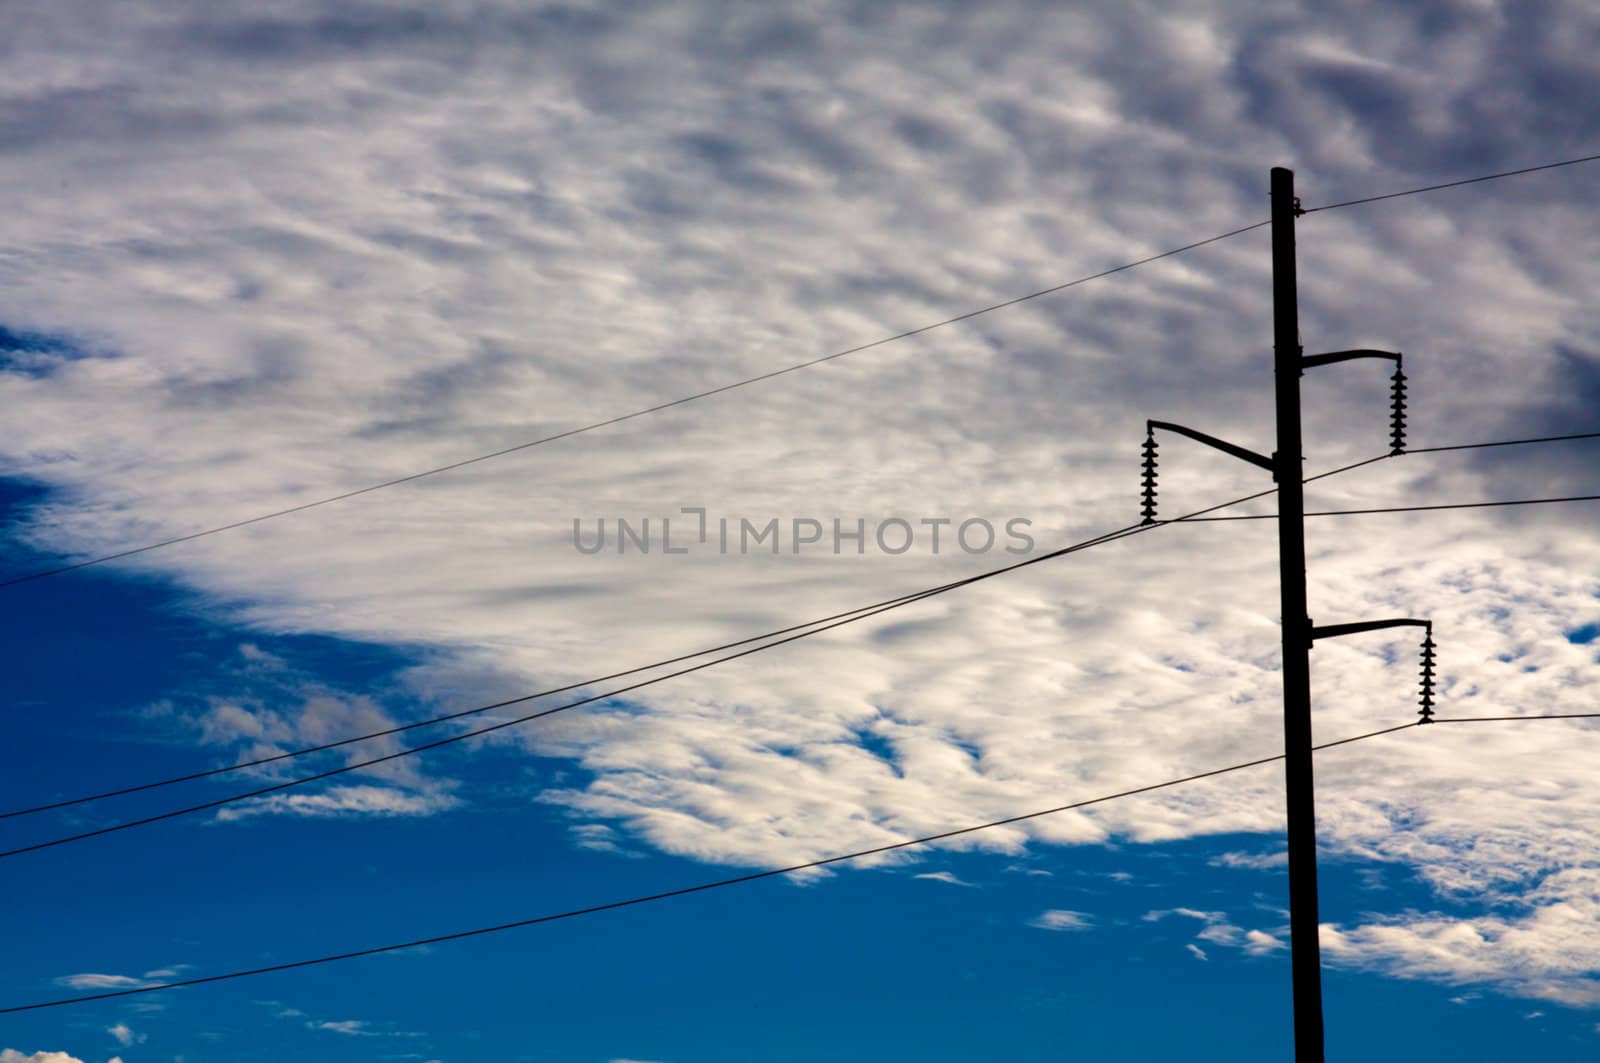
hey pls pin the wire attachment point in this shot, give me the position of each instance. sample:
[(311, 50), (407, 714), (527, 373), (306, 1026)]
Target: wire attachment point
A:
[(1427, 678), (1149, 478), (1397, 413)]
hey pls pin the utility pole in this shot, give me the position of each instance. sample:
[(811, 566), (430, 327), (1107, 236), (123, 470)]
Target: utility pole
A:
[(1289, 362), (1305, 951)]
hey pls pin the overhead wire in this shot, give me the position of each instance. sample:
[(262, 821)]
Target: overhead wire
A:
[(800, 632), (1407, 509), (1503, 443), (1451, 184), (608, 422), (1391, 509), (659, 407), (504, 724), (431, 721), (1500, 719), (1198, 516), (854, 615), (737, 879), (702, 887)]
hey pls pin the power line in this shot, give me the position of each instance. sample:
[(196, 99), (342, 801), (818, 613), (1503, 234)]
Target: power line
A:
[(1497, 719), (436, 744), (1452, 184), (1410, 509), (907, 334), (683, 891), (502, 725), (1454, 446), (804, 631), (401, 728), (1390, 509), (903, 599), (659, 407), (1330, 472), (1503, 443)]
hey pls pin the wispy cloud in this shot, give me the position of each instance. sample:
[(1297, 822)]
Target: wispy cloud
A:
[(117, 981), (320, 323), (103, 981), (348, 1027), (947, 877), (1253, 861), (341, 802), (357, 1028), (1062, 919), (1217, 929), (1539, 949)]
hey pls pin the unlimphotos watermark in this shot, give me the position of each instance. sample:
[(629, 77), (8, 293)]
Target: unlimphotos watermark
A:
[(796, 535)]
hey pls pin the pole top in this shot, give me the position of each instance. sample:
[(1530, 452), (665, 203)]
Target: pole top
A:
[(1282, 188)]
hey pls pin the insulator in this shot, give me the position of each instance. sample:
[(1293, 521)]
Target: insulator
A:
[(1148, 481), (1426, 700), (1397, 415)]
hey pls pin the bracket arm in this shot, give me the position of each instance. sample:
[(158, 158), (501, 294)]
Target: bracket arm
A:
[(1220, 444), (1311, 361), (1329, 631)]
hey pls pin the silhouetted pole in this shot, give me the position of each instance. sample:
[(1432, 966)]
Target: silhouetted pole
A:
[(1288, 363), (1305, 950)]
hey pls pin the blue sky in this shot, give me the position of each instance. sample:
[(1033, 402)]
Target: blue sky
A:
[(269, 257), (1123, 951)]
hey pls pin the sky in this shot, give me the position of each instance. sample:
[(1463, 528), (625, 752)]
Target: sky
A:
[(261, 255)]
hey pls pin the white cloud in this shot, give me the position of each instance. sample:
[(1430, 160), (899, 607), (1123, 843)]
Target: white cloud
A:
[(1190, 913), (104, 981), (1539, 950), (946, 877), (90, 980), (1260, 943), (1063, 919), (1221, 934), (341, 802), (318, 319), (1196, 951), (11, 1055), (600, 837), (355, 1028), (1217, 929), (174, 971), (124, 1035), (1254, 861)]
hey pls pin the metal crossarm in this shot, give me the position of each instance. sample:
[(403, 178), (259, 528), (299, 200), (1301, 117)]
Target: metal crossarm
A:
[(1428, 646), (1311, 361), (1223, 445)]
